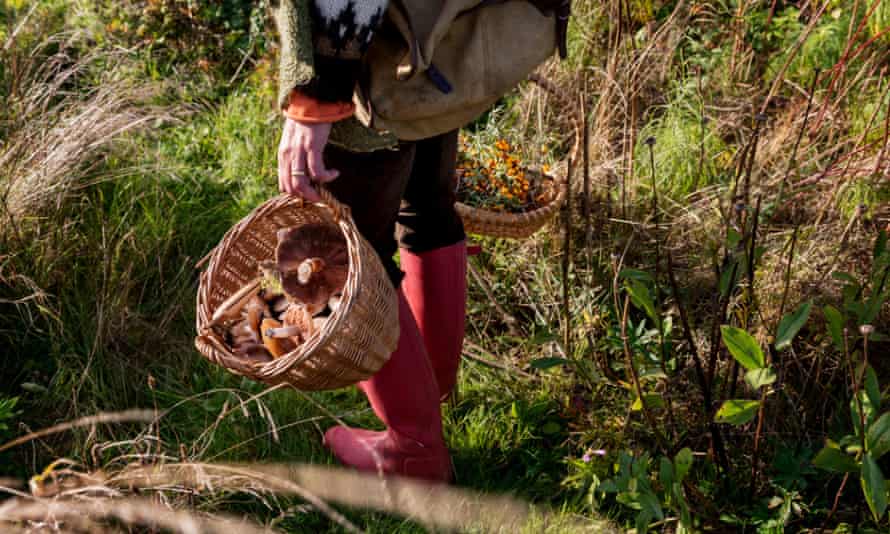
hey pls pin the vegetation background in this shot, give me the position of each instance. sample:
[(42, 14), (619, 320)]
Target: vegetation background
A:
[(698, 344)]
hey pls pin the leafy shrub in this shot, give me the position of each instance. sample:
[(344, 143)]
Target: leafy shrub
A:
[(822, 48), (205, 31)]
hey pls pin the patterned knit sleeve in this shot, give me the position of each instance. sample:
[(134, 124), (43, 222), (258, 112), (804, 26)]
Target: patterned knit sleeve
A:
[(296, 62), (342, 31)]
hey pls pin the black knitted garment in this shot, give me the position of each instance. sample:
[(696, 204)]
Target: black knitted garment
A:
[(342, 30)]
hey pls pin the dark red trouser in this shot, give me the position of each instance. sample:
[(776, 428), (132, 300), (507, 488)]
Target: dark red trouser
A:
[(406, 195)]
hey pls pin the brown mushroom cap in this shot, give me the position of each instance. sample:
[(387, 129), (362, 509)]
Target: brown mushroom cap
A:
[(312, 262)]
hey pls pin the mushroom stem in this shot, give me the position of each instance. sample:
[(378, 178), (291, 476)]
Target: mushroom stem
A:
[(284, 331), (307, 268), (231, 307)]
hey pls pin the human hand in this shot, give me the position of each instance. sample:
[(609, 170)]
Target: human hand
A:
[(300, 160)]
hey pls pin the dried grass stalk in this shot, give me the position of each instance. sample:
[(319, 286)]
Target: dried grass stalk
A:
[(86, 514), (55, 132)]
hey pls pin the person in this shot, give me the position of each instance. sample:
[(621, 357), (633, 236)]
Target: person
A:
[(402, 197)]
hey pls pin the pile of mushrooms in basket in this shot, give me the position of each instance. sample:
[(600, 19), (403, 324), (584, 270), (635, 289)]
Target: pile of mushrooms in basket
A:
[(291, 297)]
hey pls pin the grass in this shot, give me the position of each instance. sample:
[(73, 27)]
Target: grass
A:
[(126, 157)]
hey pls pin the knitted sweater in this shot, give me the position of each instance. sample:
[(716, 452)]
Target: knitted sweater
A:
[(322, 45)]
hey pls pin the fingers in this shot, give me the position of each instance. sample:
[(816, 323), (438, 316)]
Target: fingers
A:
[(284, 177), (303, 186), (286, 154), (317, 168), (298, 182), (301, 161)]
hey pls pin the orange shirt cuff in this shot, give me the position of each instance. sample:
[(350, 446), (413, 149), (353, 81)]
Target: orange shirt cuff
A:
[(304, 108)]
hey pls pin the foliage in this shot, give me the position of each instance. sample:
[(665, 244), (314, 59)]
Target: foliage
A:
[(633, 488), (7, 413), (859, 453), (697, 290), (215, 34)]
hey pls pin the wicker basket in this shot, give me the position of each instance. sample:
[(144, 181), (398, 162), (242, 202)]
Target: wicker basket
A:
[(512, 225), (356, 340)]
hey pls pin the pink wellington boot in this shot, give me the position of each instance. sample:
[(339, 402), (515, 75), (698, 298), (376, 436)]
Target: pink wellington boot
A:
[(435, 285), (405, 396)]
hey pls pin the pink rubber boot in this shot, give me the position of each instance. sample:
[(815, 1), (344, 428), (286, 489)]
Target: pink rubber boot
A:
[(435, 285), (405, 396)]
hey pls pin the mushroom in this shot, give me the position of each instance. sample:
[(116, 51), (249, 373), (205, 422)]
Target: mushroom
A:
[(254, 312), (231, 307), (242, 332), (312, 263), (276, 345), (278, 304), (254, 352), (300, 317), (335, 301)]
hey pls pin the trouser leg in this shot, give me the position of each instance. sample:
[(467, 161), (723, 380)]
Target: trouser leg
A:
[(372, 185)]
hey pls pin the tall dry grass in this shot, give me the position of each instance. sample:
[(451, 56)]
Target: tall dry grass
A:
[(64, 113)]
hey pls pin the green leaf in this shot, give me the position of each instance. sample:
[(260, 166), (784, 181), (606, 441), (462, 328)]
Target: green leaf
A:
[(547, 363), (635, 274), (872, 389), (743, 347), (737, 411), (653, 401), (791, 324), (666, 472), (728, 277), (874, 487), (682, 463), (877, 439), (650, 504), (757, 378), (642, 299), (872, 308), (732, 238), (835, 322), (834, 460), (551, 427)]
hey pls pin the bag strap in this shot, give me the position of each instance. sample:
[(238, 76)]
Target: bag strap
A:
[(562, 9)]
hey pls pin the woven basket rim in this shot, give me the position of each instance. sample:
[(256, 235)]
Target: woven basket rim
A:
[(340, 216), (494, 223)]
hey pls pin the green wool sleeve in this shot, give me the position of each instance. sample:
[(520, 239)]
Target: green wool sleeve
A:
[(296, 65)]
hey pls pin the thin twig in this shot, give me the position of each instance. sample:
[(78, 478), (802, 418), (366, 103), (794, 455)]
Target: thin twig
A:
[(567, 261)]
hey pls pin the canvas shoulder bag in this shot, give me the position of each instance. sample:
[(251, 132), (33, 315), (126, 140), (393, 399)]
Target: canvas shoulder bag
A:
[(436, 65)]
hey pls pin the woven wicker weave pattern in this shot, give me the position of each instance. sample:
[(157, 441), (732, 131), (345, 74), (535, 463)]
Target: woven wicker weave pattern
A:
[(355, 341), (511, 225)]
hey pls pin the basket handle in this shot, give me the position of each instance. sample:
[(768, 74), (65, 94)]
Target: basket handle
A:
[(338, 209)]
